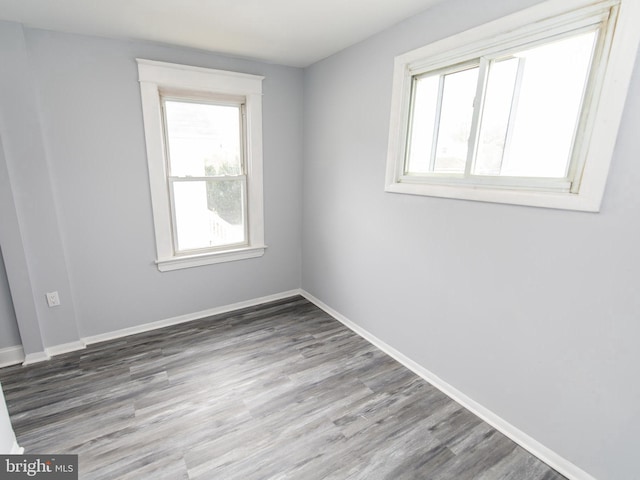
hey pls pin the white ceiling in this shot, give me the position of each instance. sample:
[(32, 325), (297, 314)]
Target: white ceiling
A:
[(288, 32)]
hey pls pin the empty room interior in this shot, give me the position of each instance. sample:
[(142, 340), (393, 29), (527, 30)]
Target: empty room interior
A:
[(307, 240)]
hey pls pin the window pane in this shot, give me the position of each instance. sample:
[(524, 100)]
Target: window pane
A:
[(455, 121), (425, 101), (204, 139), (209, 214), (499, 100), (539, 122)]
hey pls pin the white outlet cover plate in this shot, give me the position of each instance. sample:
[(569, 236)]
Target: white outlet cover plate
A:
[(53, 300)]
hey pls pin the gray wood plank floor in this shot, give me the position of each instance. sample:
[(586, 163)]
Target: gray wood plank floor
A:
[(279, 391)]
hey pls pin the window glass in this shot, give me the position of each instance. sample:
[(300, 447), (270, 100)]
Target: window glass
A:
[(425, 94), (455, 121), (546, 86), (204, 139), (208, 213), (500, 103), (441, 121)]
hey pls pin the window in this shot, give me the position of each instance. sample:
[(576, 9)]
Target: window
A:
[(204, 151), (523, 110)]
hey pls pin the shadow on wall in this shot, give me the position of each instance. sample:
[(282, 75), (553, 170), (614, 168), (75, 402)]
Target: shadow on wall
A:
[(9, 333)]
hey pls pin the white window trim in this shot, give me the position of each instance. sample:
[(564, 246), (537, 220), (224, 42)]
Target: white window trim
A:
[(155, 76), (612, 83)]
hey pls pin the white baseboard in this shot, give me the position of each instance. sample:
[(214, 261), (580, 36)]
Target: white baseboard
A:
[(81, 344), (65, 348), (537, 449), (17, 449), (49, 352), (11, 356), (167, 322), (36, 357)]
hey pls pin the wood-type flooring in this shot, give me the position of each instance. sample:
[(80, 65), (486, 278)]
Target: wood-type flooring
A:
[(279, 391)]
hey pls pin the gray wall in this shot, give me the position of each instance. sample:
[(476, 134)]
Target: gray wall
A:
[(531, 312), (31, 238), (9, 335), (85, 103)]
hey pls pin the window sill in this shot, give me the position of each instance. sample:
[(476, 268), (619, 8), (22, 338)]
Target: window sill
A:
[(188, 261), (558, 200)]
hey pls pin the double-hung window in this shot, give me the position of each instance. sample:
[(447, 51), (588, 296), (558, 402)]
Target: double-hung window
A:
[(523, 110), (204, 149)]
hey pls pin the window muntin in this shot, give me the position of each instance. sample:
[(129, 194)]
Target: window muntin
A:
[(206, 173), (526, 103)]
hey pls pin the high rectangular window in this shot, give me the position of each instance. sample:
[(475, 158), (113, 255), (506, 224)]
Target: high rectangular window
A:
[(512, 115), (522, 110)]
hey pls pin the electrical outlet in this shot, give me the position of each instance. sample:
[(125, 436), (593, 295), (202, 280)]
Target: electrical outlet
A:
[(53, 299)]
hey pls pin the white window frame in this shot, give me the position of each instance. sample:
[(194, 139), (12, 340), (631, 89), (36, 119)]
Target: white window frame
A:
[(602, 111), (156, 77)]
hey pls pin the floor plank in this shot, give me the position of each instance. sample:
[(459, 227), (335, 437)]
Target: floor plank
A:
[(279, 391)]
